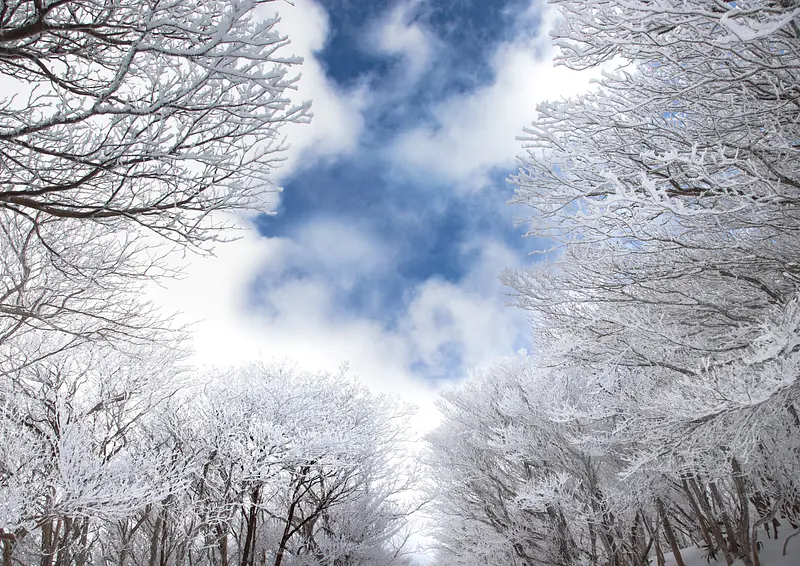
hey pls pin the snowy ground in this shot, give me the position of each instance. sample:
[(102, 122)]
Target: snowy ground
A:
[(771, 554)]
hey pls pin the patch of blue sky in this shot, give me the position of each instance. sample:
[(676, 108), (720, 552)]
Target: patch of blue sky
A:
[(346, 56), (467, 32), (423, 228), (440, 367), (405, 228), (470, 31)]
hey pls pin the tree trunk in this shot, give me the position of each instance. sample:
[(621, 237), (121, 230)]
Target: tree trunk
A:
[(126, 536), (222, 541), (163, 559), (49, 541), (83, 548), (659, 552), (704, 503), (743, 522), (565, 543), (250, 540), (764, 520), (8, 540), (285, 537), (726, 520), (154, 538), (701, 519), (63, 558), (593, 543), (670, 534)]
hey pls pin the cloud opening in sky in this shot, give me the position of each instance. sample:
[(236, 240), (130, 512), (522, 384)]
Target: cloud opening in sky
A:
[(384, 253)]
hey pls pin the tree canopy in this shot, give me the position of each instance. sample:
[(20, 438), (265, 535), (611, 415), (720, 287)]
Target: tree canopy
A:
[(659, 406)]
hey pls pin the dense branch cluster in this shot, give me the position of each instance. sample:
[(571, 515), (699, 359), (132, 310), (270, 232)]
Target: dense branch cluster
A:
[(153, 112), (660, 406), (130, 124), (108, 458)]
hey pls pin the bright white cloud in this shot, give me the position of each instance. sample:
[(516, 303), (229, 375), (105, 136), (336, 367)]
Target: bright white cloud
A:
[(340, 250), (476, 132), (301, 323), (469, 318), (397, 33), (243, 312), (337, 122), (444, 317)]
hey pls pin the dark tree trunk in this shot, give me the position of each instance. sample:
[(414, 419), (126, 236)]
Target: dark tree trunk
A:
[(248, 554), (8, 540), (743, 519), (164, 554), (726, 520), (222, 542), (154, 538), (287, 531), (670, 534), (49, 541), (64, 555), (701, 519), (659, 552), (706, 505)]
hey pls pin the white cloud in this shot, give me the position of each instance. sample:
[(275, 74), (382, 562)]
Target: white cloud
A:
[(476, 132), (337, 123), (334, 247), (397, 33), (470, 317), (298, 318), (302, 323), (443, 316), (276, 298)]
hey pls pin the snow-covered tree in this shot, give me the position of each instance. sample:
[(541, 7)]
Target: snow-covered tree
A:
[(106, 458), (665, 316), (280, 467), (74, 450), (308, 448), (508, 484), (141, 114), (124, 125)]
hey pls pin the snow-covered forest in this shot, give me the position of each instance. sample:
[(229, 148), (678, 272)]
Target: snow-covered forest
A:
[(656, 409)]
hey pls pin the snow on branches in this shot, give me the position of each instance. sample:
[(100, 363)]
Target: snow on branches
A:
[(665, 316)]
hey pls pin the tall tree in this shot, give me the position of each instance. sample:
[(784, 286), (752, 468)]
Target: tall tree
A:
[(665, 316)]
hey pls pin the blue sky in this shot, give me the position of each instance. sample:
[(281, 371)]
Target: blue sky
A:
[(386, 244)]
